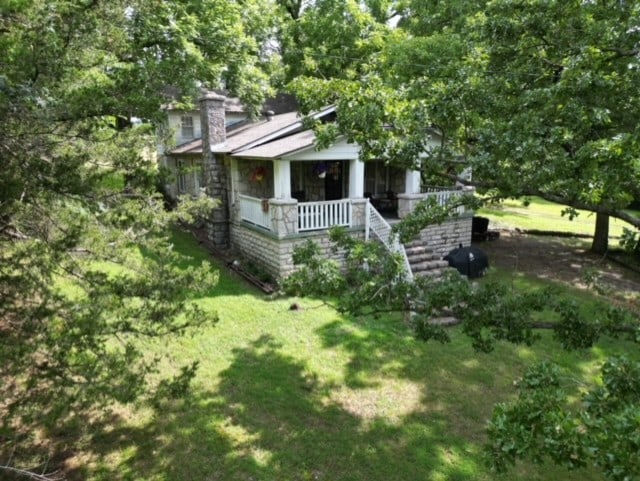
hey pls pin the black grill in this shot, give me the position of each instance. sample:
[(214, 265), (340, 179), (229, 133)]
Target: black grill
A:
[(469, 261)]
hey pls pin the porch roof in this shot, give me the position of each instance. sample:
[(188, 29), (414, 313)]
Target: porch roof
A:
[(273, 133), (240, 135), (278, 148), (191, 147), (255, 131)]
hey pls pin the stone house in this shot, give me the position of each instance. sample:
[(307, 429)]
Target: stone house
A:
[(277, 190)]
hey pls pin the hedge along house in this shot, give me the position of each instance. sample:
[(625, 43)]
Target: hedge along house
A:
[(277, 190)]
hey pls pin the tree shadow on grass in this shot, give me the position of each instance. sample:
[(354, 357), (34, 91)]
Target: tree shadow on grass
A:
[(270, 418), (461, 386)]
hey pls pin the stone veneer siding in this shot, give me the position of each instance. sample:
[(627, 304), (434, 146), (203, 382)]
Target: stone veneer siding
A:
[(214, 168), (450, 234), (243, 183), (275, 255)]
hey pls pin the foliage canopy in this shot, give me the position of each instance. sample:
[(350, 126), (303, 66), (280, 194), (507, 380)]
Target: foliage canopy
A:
[(87, 271), (540, 98)]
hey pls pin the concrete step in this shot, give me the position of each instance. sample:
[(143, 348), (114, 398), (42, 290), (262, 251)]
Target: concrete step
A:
[(427, 256), (415, 243), (428, 266), (431, 273), (418, 250)]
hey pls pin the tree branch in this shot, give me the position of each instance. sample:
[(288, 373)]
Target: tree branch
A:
[(617, 213), (29, 474)]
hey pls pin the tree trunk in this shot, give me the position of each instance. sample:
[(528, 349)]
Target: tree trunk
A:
[(600, 243)]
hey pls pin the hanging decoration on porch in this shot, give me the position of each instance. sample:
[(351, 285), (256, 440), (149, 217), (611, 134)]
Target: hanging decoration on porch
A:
[(320, 169), (257, 174), (334, 170)]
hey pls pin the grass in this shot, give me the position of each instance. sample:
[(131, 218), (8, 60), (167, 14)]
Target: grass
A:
[(543, 215), (313, 394)]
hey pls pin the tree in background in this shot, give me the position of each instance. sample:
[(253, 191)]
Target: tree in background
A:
[(87, 270), (328, 38), (540, 98)]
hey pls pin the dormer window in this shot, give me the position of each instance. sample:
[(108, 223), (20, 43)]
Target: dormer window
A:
[(186, 125)]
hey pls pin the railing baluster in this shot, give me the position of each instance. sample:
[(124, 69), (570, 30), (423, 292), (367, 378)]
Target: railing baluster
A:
[(323, 215), (251, 211), (383, 232)]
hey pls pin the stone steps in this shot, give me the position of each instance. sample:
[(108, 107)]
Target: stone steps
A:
[(423, 257), (423, 261), (428, 265)]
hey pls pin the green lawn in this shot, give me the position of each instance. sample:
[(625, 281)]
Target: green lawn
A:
[(316, 395), (542, 215)]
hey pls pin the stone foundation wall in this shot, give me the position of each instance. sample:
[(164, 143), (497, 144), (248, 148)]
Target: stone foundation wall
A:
[(275, 255), (448, 235)]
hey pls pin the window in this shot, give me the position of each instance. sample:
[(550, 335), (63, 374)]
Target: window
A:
[(182, 177), (377, 178), (186, 125), (197, 178)]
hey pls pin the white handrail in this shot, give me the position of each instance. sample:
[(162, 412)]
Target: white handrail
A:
[(442, 196), (382, 230), (323, 215), (252, 210)]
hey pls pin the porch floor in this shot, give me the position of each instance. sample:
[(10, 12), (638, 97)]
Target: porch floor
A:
[(391, 218)]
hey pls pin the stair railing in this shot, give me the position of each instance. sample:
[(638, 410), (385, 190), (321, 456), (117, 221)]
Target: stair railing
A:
[(375, 223)]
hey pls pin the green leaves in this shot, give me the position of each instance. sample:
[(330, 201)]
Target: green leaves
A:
[(541, 424), (540, 98), (332, 39), (87, 269)]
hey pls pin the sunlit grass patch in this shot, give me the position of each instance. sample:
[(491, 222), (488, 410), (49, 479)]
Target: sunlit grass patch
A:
[(538, 214), (315, 394)]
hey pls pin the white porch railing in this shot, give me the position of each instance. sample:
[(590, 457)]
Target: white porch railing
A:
[(251, 210), (382, 230), (442, 195), (323, 215)]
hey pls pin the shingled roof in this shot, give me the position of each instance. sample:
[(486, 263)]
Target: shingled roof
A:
[(268, 138), (280, 147)]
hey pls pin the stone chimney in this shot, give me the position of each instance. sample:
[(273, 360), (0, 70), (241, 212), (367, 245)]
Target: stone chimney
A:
[(212, 124), (212, 120)]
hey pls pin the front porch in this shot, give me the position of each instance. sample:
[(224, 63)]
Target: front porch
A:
[(292, 197), (289, 217), (278, 204)]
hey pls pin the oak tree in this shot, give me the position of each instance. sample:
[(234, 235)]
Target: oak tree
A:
[(87, 268)]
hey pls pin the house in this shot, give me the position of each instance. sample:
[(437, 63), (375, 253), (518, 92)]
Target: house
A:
[(277, 190)]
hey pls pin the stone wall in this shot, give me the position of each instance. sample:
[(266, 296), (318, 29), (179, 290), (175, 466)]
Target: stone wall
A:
[(448, 235), (284, 217), (247, 184), (275, 255), (212, 121), (215, 181)]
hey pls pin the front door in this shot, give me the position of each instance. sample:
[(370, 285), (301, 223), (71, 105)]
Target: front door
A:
[(333, 181)]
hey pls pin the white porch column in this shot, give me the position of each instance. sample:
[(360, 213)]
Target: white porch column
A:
[(235, 177), (356, 179), (412, 182), (282, 179)]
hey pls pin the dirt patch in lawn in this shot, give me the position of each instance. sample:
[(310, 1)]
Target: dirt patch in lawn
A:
[(563, 260)]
